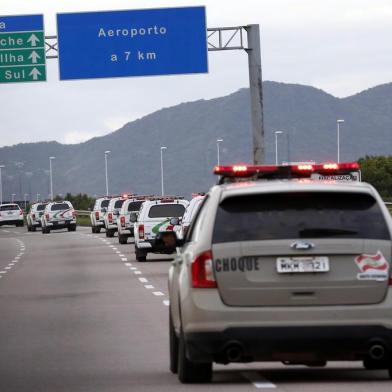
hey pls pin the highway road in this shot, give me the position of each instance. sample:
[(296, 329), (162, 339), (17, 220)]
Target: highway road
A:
[(78, 313)]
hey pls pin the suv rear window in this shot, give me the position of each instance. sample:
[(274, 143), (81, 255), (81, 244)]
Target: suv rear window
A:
[(118, 203), (299, 215), (105, 203), (9, 208), (60, 207), (166, 210), (41, 207), (135, 205)]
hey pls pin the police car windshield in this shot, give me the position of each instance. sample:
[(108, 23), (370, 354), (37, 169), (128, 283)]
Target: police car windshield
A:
[(299, 215), (166, 210), (9, 208), (135, 206), (59, 207)]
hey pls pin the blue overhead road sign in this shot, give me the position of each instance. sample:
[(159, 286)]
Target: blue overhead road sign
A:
[(132, 43)]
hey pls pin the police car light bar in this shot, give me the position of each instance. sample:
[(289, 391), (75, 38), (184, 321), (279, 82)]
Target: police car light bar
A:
[(286, 171)]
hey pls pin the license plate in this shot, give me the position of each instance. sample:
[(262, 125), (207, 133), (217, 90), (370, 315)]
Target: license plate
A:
[(290, 265), (60, 222)]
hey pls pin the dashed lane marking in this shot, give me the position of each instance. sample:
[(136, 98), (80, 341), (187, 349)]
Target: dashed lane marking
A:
[(158, 293), (258, 380), (121, 255), (149, 286), (166, 302), (143, 280), (124, 259), (137, 272)]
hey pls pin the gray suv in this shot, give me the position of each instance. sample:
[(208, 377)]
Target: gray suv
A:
[(292, 271)]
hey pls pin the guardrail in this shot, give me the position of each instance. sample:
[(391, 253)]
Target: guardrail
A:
[(82, 212)]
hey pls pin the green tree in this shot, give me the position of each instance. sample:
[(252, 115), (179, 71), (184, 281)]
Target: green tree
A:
[(377, 170)]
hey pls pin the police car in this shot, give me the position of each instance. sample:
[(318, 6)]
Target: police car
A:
[(181, 225), (124, 224), (154, 217), (113, 210), (33, 218), (11, 214), (58, 215), (293, 270), (98, 213)]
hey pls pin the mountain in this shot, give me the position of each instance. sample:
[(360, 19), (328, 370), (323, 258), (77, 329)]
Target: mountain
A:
[(189, 131)]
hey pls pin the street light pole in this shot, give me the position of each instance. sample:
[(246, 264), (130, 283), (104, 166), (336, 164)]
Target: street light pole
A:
[(162, 148), (218, 141), (106, 172), (1, 185), (51, 177), (338, 122), (276, 145), (38, 196), (25, 200), (13, 197)]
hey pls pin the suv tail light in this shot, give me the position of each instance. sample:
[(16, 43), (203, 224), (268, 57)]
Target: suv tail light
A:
[(122, 220), (110, 216), (33, 216), (21, 212), (203, 271), (47, 216), (96, 214), (141, 232), (74, 214)]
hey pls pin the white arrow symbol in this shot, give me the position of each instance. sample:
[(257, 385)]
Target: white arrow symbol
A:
[(33, 40), (35, 73), (34, 56)]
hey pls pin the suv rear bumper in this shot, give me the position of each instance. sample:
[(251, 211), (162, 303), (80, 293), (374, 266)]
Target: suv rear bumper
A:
[(293, 344)]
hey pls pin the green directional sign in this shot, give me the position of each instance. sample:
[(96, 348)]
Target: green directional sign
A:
[(22, 49)]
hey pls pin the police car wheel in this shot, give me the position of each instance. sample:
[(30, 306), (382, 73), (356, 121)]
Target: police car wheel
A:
[(93, 229), (390, 370), (190, 372), (33, 228), (28, 228), (109, 233), (141, 255), (97, 229), (173, 343), (122, 239)]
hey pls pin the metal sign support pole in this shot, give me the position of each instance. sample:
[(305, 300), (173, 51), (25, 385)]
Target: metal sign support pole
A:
[(256, 92)]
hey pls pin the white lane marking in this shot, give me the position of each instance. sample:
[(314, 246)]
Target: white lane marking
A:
[(158, 293), (137, 272), (15, 261), (114, 248), (166, 302), (128, 264), (257, 380), (111, 246), (124, 259), (7, 268), (121, 255), (118, 252), (17, 257), (3, 272), (149, 286), (6, 231), (143, 280), (133, 268)]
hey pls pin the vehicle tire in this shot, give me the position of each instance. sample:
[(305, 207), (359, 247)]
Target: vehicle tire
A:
[(45, 230), (122, 239), (371, 364), (93, 229), (190, 372), (33, 228), (141, 255), (109, 233), (29, 228), (173, 345), (97, 229), (390, 371)]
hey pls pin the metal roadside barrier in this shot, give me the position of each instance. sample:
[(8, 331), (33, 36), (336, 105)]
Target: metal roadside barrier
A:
[(83, 212)]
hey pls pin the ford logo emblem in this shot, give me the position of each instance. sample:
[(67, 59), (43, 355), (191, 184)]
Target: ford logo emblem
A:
[(302, 245)]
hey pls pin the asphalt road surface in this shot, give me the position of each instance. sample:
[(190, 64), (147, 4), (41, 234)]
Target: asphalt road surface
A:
[(78, 313)]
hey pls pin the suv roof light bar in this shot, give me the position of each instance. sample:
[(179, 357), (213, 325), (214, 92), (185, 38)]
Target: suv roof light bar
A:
[(301, 170)]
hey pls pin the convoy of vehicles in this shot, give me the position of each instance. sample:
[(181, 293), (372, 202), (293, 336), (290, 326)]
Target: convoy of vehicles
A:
[(290, 265), (58, 215), (11, 214)]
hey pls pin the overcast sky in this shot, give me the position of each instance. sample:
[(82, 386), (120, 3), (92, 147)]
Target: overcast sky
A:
[(340, 46)]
